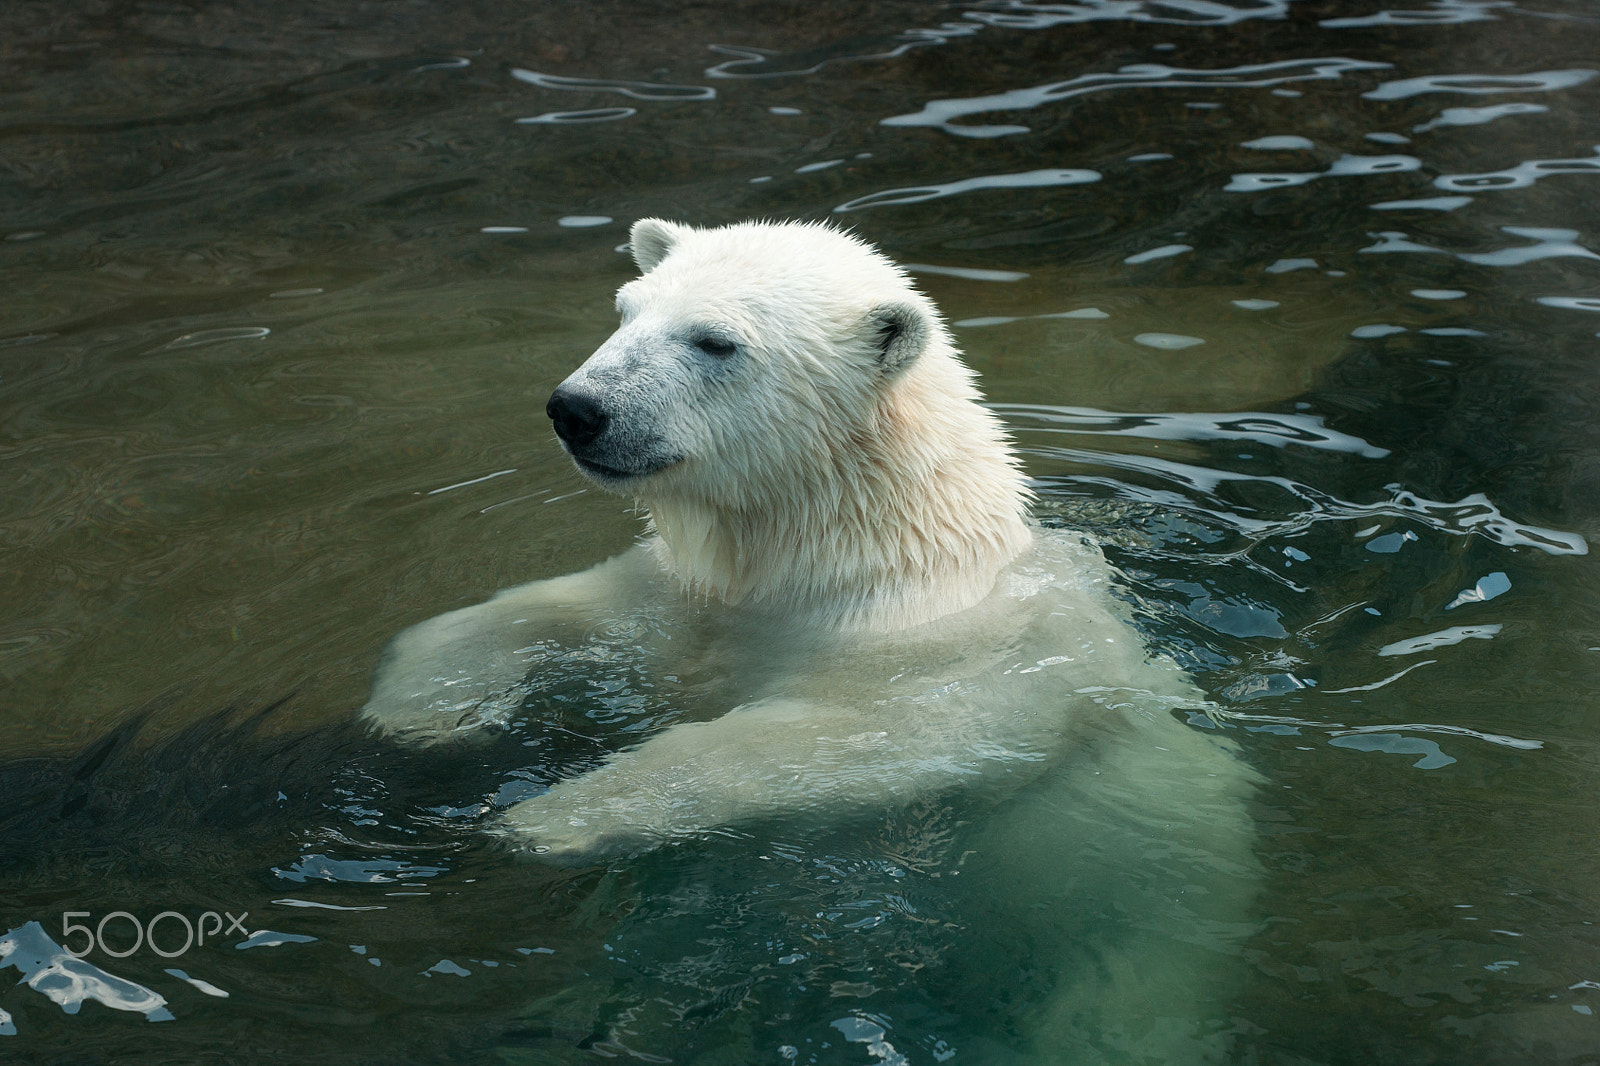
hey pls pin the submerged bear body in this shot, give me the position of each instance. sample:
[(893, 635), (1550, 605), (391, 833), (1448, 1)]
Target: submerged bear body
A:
[(842, 610), (751, 718)]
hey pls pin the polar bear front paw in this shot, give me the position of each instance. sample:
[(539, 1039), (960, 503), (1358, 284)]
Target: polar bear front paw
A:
[(554, 829), (431, 717)]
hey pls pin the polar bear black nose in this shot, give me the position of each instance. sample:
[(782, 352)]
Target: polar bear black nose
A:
[(578, 418)]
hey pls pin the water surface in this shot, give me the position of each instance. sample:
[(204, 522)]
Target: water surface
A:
[(1294, 303)]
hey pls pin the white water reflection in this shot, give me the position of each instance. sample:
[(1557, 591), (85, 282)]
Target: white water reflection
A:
[(1572, 303), (637, 90), (1383, 683), (1520, 176), (871, 1031), (1432, 757), (1283, 143), (1026, 15), (1167, 342), (1257, 182), (944, 114), (1290, 726), (1305, 505), (567, 118), (1480, 84), (1166, 251), (203, 986), (1274, 430), (969, 273), (916, 194), (1441, 639), (219, 336), (1477, 116), (1344, 166), (1443, 12), (453, 63), (1548, 244), (1001, 320), (749, 62), (1391, 241), (1487, 588), (1454, 731), (69, 982)]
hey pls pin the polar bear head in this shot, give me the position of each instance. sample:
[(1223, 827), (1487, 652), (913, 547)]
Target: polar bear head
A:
[(794, 416)]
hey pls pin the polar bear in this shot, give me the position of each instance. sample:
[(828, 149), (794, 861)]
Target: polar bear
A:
[(848, 610)]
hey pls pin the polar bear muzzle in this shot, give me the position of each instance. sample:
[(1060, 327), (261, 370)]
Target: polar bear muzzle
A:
[(578, 418), (606, 448)]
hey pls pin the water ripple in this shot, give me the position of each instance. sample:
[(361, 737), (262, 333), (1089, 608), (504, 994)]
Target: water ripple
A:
[(1002, 320), (1477, 116), (1305, 505), (1396, 241), (1479, 84), (70, 982), (1273, 430), (1284, 143), (1443, 638), (1436, 203), (969, 273), (637, 90), (1520, 176), (1166, 251), (746, 57), (1167, 342), (1549, 244), (1572, 303), (452, 63), (218, 336), (1395, 744), (593, 114), (916, 194), (944, 113), (1453, 730), (1444, 12), (1023, 15), (1344, 166)]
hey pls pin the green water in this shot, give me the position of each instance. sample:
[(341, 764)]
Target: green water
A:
[(285, 289)]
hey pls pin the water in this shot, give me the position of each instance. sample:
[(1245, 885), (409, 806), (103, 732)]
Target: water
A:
[(1293, 304)]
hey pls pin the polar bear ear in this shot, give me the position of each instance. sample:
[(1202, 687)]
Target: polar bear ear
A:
[(651, 239), (900, 332)]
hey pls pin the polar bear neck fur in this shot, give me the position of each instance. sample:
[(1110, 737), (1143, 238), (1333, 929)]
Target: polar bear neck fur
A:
[(893, 496)]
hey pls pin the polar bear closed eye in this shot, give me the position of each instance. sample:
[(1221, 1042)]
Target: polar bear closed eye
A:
[(841, 607)]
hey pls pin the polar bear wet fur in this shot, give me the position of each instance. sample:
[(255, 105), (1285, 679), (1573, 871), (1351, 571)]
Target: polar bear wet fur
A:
[(792, 413), (840, 541)]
